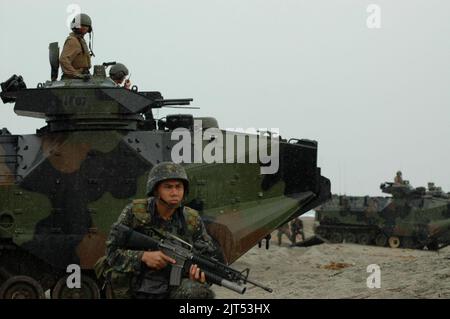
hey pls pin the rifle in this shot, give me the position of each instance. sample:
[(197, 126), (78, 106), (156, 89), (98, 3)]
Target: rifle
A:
[(176, 248)]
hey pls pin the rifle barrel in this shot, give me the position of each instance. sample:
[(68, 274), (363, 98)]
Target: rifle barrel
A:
[(259, 285)]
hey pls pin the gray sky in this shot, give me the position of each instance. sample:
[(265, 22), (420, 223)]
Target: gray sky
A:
[(376, 100)]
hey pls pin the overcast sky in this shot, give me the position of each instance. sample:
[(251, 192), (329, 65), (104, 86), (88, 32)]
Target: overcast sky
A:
[(376, 100)]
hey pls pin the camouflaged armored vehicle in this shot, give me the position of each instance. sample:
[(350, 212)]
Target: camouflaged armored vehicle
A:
[(411, 218), (62, 187)]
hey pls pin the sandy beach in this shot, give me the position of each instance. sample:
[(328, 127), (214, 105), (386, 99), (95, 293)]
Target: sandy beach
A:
[(340, 271)]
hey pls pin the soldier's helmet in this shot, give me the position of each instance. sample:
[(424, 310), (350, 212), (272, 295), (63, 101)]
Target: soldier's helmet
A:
[(81, 19), (118, 72), (399, 173), (165, 171)]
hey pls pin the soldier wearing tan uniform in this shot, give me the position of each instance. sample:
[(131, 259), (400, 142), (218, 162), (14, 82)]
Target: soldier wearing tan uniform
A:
[(398, 180), (75, 57)]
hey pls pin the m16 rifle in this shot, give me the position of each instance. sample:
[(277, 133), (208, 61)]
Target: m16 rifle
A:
[(184, 255)]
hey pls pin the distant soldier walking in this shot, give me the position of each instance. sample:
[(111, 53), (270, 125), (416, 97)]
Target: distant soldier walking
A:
[(296, 229), (284, 229)]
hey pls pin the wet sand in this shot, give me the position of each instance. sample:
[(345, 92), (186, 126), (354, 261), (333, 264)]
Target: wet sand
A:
[(340, 271)]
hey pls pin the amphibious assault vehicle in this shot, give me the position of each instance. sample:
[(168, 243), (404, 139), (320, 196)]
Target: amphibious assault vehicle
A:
[(62, 187), (411, 218)]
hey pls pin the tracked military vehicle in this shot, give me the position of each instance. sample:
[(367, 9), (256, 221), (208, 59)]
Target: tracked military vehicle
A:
[(62, 187), (411, 218)]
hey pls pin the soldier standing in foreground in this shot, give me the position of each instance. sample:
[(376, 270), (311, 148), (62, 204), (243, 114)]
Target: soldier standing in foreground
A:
[(150, 270), (75, 57)]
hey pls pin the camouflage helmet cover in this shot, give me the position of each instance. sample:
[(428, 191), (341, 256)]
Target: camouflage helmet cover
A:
[(81, 19), (118, 71), (165, 171), (399, 173)]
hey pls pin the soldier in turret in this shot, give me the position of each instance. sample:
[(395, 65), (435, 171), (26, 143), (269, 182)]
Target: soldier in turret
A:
[(75, 57), (118, 73), (398, 180)]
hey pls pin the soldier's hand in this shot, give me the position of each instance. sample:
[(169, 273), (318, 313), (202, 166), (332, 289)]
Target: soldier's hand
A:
[(127, 84), (196, 274), (87, 77), (156, 259), (84, 77)]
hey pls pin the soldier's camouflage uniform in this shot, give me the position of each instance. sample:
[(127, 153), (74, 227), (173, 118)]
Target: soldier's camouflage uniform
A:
[(145, 283)]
